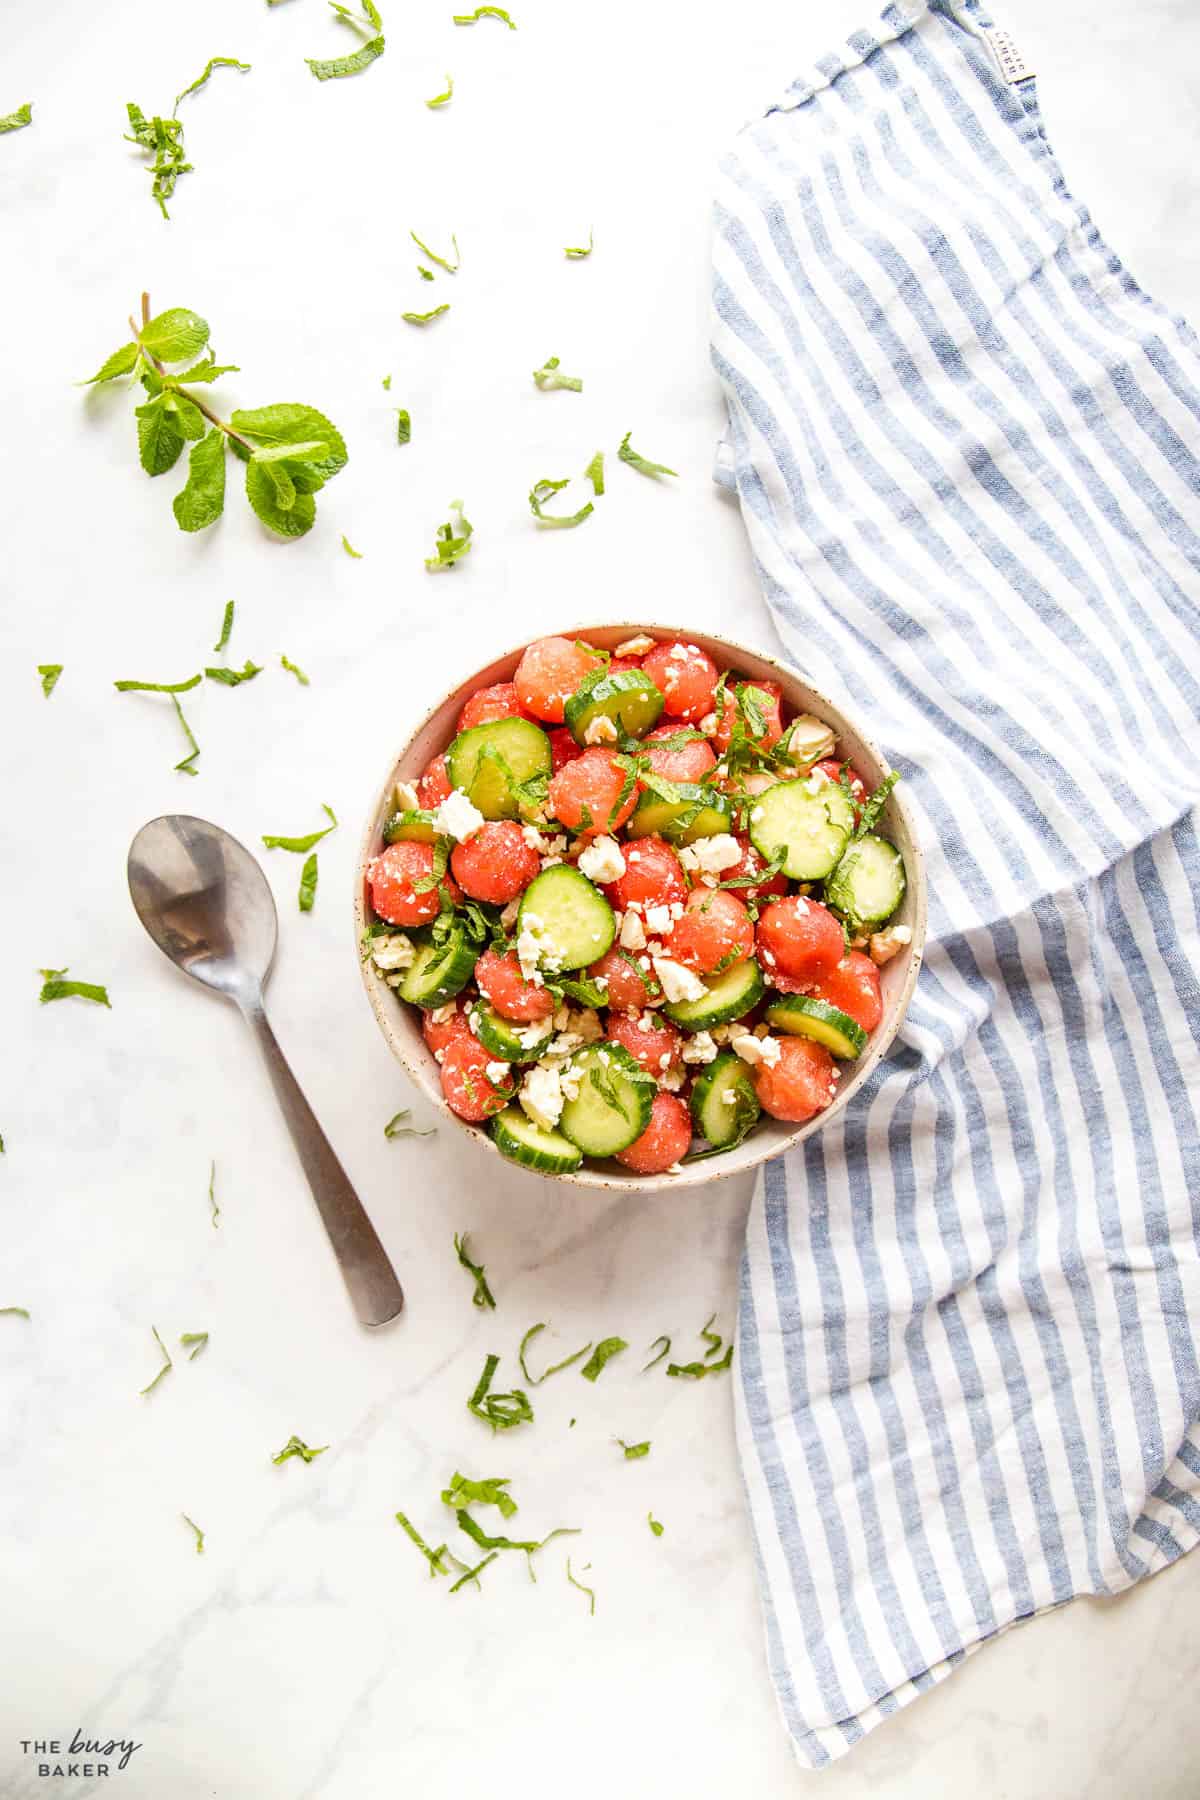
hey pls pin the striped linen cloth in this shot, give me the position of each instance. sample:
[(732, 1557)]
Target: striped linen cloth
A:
[(964, 443)]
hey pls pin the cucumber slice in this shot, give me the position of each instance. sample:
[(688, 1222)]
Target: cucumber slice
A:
[(727, 996), (803, 819), (803, 1016), (724, 1104), (491, 762), (439, 971), (868, 883), (628, 699), (409, 827), (700, 812), (570, 919), (526, 1143), (615, 1100), (499, 1035)]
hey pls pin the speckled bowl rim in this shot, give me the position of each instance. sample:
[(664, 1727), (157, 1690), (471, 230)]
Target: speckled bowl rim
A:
[(399, 1025)]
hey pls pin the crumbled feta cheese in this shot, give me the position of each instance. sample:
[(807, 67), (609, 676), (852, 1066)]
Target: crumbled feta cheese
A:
[(496, 1072), (562, 1018), (750, 1048), (534, 838), (395, 951), (569, 1080), (664, 1061), (679, 653), (677, 909), (889, 943), (647, 1022), (406, 797), (530, 1036), (457, 817), (769, 1050), (700, 1048), (808, 740), (541, 1096), (551, 862), (634, 856), (565, 1044), (441, 1014), (632, 935), (708, 724), (601, 730), (635, 646), (659, 920), (672, 1080), (535, 950), (678, 983), (587, 1025), (603, 860), (755, 814), (712, 855), (508, 917), (729, 1097)]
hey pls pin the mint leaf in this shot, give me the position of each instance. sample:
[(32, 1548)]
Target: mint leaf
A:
[(489, 1492), (483, 1295), (49, 673), (201, 500), (712, 1338), (554, 1369), (442, 99), (544, 490), (595, 473), (186, 767), (167, 1364), (654, 1525), (416, 318), (308, 883), (226, 626), (157, 687), (294, 669), (451, 268), (875, 804), (348, 547), (605, 1350), (501, 1411), (13, 1312), (483, 12), (199, 1534), (235, 677), (580, 251), (208, 370), (453, 542), (300, 846), (55, 988), (195, 1341), (397, 1127), (590, 1592), (641, 463), (547, 378), (475, 1573), (695, 1371), (424, 273), (262, 491), (159, 438), (119, 363), (634, 1452), (297, 1447), (175, 335), (288, 423), (403, 426), (432, 1557), (386, 382), (335, 67), (14, 121), (214, 62)]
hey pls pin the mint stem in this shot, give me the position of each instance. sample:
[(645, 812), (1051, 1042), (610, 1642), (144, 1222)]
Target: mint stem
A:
[(170, 381)]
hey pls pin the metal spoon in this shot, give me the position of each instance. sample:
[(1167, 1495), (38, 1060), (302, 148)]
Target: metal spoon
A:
[(206, 903)]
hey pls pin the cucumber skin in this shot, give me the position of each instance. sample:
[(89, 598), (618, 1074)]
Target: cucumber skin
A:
[(459, 959), (692, 1015), (651, 817), (820, 864), (724, 1071), (465, 753), (410, 827), (498, 1035), (840, 887), (547, 882), (640, 1090), (592, 692), (793, 1007), (510, 1129)]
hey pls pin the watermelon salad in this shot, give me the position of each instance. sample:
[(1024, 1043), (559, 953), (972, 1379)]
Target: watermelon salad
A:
[(638, 904)]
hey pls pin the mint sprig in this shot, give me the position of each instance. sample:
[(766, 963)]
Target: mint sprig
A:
[(163, 138)]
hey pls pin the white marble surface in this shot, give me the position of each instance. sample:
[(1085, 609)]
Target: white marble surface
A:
[(305, 1653)]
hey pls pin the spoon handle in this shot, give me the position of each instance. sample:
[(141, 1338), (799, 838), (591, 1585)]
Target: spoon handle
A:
[(374, 1289)]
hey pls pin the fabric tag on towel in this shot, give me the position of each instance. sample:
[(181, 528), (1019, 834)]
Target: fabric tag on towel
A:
[(1009, 61)]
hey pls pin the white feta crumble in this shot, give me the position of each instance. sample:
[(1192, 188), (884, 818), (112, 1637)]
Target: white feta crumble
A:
[(406, 797), (441, 1014), (497, 1073), (770, 1051), (635, 646), (632, 935), (700, 1048), (569, 1080), (534, 838), (395, 951), (603, 860), (587, 1025), (659, 920), (541, 1097), (749, 1048), (808, 740), (457, 817), (672, 1080), (530, 1036), (601, 730), (679, 653), (889, 943), (708, 724), (677, 982), (712, 855), (535, 949)]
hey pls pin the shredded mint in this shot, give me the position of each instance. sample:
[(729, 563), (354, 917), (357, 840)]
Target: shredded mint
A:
[(665, 1351), (386, 382), (416, 318), (595, 473), (873, 806), (300, 846), (654, 1525), (397, 1128), (199, 1534), (548, 378), (492, 1491), (641, 463), (214, 1209), (193, 1341), (443, 99), (333, 68), (294, 669), (234, 677), (694, 1371), (483, 12), (307, 893), (501, 1411), (17, 1312), (162, 139), (603, 1353), (226, 628), (633, 1452), (590, 1592), (453, 541), (297, 1447), (403, 426), (167, 1364), (157, 687), (348, 547), (451, 268), (546, 489), (432, 1557), (14, 121), (712, 1338), (555, 1368), (580, 250), (473, 1574), (49, 673), (483, 1294), (55, 988)]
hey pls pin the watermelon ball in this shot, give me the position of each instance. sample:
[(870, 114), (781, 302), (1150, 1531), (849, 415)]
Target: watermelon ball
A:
[(686, 763), (434, 785), (653, 876), (563, 748), (439, 1032), (685, 677), (800, 1085), (465, 1081), (496, 864), (853, 987), (799, 939), (594, 780), (665, 1139), (767, 696), (548, 674), (392, 878), (490, 703), (650, 1039), (499, 979), (750, 864), (628, 983), (714, 932)]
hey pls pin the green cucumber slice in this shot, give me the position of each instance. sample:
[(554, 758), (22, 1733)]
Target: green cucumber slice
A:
[(528, 1144), (725, 1107), (409, 827), (802, 818), (868, 883), (491, 762), (439, 971), (628, 699), (570, 918), (730, 995), (614, 1103), (803, 1016), (699, 813), (499, 1035)]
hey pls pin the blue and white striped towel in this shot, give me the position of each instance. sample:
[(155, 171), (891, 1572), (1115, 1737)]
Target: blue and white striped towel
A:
[(965, 447)]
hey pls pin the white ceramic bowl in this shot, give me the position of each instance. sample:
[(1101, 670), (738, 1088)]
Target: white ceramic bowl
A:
[(400, 1024)]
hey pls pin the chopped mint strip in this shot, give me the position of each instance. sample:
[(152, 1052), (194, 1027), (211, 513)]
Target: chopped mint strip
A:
[(441, 99), (185, 766), (634, 1451), (199, 1534), (307, 893), (226, 627), (332, 69), (453, 541), (605, 1349), (644, 467), (473, 1574), (196, 1338), (163, 140), (214, 62), (545, 490), (432, 1557), (595, 473), (348, 547), (297, 1447), (396, 1128), (55, 988), (473, 1530), (49, 673), (590, 1592), (571, 251), (167, 1364), (294, 669), (300, 846), (695, 1370), (875, 804), (665, 1351), (157, 687), (425, 274), (547, 377), (483, 1295), (654, 1525), (483, 12), (403, 426), (17, 1312), (235, 677), (713, 1339), (387, 382), (537, 1380), (214, 1209), (501, 1411), (489, 1492), (14, 121), (416, 318), (451, 268)]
